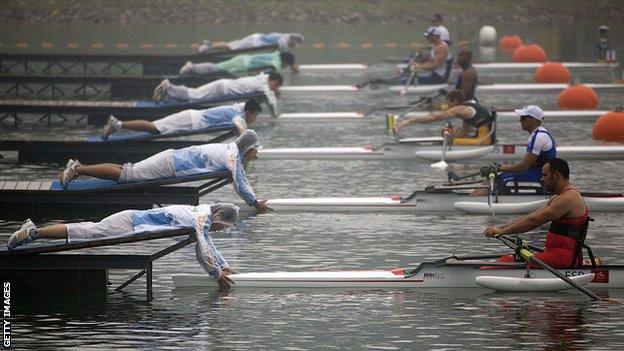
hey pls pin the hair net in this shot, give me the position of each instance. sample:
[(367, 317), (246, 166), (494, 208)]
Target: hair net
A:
[(248, 140)]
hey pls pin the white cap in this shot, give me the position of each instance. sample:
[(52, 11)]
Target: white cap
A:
[(532, 111), (432, 31)]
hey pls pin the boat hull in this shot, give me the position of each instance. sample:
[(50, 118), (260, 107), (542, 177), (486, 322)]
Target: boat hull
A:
[(424, 202), (505, 88), (428, 277), (433, 152)]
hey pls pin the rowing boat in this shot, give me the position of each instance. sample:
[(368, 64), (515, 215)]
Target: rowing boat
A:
[(430, 149), (502, 116), (549, 116), (532, 66), (438, 200), (334, 67), (433, 274), (509, 88), (523, 66), (493, 66)]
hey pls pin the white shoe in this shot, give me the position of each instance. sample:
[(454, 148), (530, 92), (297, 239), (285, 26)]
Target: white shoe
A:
[(109, 127), (26, 234), (69, 173), (188, 66), (159, 92), (205, 45)]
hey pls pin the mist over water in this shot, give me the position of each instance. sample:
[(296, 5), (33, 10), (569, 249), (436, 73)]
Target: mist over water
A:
[(299, 319)]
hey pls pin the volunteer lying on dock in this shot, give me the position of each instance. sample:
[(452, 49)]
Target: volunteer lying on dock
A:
[(541, 147), (187, 161), (568, 216), (241, 64), (204, 218), (240, 115), (440, 62), (284, 42), (268, 85), (477, 120)]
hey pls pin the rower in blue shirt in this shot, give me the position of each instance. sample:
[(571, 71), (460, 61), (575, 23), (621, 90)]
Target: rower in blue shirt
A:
[(190, 160), (203, 218), (541, 147), (237, 115)]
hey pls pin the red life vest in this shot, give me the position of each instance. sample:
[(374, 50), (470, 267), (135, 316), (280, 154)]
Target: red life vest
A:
[(566, 235)]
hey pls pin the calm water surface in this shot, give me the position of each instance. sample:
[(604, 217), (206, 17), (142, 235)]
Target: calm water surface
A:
[(339, 319)]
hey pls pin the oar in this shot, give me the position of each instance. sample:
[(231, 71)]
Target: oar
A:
[(491, 178), (442, 163), (409, 80), (413, 104), (452, 176), (528, 255)]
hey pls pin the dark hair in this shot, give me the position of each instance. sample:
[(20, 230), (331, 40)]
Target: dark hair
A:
[(276, 77), (465, 53), (252, 106), (287, 58), (558, 165), (437, 16), (456, 96)]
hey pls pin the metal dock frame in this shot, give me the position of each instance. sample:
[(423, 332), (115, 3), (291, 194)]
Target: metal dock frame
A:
[(88, 271)]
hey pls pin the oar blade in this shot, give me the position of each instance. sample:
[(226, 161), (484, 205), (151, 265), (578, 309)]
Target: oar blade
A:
[(439, 165)]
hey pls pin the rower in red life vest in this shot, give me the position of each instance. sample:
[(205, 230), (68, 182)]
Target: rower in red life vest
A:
[(568, 216)]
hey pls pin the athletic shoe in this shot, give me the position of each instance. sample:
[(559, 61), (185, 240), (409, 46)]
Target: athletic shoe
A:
[(26, 234), (205, 45), (109, 127), (159, 92), (69, 173), (186, 68)]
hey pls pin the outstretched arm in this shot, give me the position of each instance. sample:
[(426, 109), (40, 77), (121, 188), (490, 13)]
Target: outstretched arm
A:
[(240, 183), (527, 161), (457, 111)]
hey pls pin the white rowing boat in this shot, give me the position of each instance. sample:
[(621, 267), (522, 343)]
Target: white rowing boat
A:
[(320, 116), (438, 200), (509, 88), (493, 66), (549, 116), (552, 116), (431, 150), (461, 274), (333, 67), (317, 88), (532, 66)]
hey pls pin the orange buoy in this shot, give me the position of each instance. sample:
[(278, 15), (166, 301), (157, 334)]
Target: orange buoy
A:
[(552, 72), (578, 97), (529, 53), (509, 43), (609, 127)]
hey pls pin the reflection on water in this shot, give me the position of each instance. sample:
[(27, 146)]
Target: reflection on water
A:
[(339, 319)]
